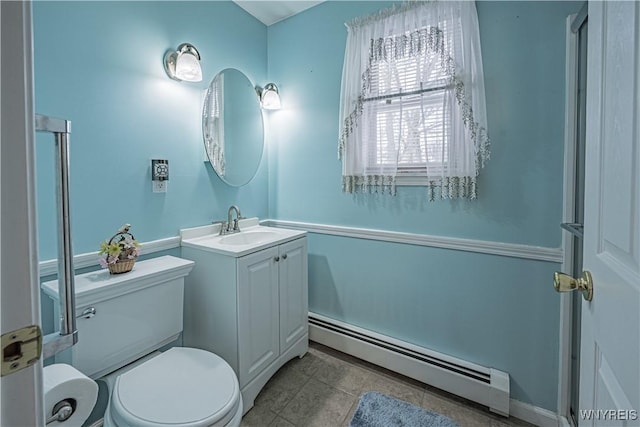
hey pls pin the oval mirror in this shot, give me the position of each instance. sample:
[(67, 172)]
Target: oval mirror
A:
[(232, 127)]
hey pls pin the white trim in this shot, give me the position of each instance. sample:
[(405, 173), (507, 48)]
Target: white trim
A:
[(571, 112), (90, 259), (399, 343), (535, 415), (563, 422), (411, 360), (401, 364), (514, 250)]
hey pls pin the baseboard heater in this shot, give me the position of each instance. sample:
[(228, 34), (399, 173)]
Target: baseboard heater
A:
[(486, 386)]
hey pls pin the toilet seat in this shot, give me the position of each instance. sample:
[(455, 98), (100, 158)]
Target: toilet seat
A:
[(184, 387)]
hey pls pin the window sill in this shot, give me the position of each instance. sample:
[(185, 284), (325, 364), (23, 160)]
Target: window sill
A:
[(414, 181)]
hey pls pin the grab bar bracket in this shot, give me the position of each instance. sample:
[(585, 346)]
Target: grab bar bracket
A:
[(55, 343)]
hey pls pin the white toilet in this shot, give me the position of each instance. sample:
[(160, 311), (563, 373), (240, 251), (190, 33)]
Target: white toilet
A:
[(136, 314)]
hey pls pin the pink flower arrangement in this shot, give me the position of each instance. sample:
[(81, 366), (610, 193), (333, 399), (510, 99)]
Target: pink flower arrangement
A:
[(121, 247)]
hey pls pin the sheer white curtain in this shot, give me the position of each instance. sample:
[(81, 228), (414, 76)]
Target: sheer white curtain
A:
[(214, 124), (412, 101)]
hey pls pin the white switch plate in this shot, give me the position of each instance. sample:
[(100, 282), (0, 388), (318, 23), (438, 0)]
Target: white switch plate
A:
[(159, 186)]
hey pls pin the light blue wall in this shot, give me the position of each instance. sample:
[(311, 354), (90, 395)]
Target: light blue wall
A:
[(100, 64), (496, 311), (520, 189)]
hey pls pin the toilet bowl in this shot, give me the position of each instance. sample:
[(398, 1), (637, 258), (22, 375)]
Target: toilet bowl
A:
[(180, 387), (132, 316)]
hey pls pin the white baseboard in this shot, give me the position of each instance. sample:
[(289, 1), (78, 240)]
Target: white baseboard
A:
[(446, 381), (563, 422), (487, 386), (536, 415)]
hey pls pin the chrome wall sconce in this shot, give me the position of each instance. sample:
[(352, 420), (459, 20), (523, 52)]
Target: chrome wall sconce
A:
[(183, 64), (269, 97)]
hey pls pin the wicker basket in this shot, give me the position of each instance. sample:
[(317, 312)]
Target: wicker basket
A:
[(123, 266)]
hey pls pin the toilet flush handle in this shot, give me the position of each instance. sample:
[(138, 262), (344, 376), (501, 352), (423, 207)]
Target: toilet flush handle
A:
[(87, 313)]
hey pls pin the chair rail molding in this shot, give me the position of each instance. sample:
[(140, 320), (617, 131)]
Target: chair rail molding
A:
[(514, 250)]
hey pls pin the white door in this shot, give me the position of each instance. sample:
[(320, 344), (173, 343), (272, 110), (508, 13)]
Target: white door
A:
[(610, 350), (294, 301), (20, 299)]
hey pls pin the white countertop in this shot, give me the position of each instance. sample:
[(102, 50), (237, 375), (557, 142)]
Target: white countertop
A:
[(251, 238)]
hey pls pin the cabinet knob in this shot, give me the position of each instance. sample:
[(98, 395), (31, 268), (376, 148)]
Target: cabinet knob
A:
[(276, 259), (284, 256)]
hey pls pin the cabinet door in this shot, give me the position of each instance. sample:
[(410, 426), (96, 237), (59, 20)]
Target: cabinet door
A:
[(294, 303), (258, 326)]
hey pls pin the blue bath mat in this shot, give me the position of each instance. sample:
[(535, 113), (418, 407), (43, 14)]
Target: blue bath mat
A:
[(379, 410)]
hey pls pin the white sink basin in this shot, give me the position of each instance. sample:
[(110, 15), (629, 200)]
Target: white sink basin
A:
[(248, 238), (251, 238)]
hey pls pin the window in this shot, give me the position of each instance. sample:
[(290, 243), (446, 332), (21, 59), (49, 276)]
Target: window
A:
[(412, 107), (408, 115)]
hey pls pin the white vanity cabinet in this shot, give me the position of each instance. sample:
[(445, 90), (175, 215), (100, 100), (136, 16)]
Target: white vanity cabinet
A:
[(250, 309), (294, 299), (272, 305)]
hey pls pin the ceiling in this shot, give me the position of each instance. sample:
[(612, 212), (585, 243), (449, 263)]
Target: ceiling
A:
[(269, 12)]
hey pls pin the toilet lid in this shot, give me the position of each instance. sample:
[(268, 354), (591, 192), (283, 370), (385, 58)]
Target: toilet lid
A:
[(182, 386)]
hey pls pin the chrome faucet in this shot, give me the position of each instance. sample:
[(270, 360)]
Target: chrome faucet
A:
[(236, 227), (227, 227)]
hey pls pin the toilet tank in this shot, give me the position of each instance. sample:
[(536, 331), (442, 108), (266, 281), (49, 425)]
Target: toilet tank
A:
[(135, 313)]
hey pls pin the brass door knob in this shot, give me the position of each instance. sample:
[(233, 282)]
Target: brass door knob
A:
[(565, 283)]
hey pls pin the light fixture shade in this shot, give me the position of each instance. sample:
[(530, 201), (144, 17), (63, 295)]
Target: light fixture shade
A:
[(183, 64), (188, 68), (270, 98)]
